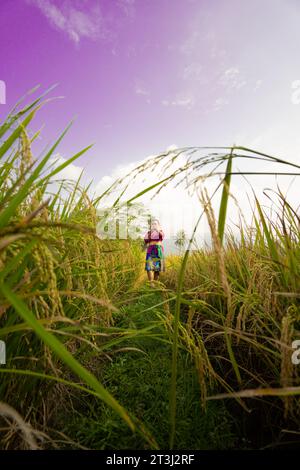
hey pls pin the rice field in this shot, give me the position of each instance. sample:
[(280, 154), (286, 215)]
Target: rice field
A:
[(96, 359)]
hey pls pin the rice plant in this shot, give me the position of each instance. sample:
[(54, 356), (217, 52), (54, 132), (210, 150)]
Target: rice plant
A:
[(56, 279), (232, 306)]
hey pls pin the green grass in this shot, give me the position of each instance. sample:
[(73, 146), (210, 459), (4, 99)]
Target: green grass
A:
[(141, 380)]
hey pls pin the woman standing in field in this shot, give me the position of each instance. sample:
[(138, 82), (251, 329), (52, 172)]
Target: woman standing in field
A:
[(155, 251)]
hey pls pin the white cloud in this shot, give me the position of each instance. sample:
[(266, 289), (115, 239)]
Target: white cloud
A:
[(232, 79), (258, 84), (128, 7), (2, 92), (190, 43), (181, 100), (75, 22), (193, 71), (71, 172), (220, 103), (142, 90), (171, 147)]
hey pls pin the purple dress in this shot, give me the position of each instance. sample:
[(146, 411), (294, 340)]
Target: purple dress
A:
[(155, 259)]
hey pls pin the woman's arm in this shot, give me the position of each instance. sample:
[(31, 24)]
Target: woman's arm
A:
[(146, 238)]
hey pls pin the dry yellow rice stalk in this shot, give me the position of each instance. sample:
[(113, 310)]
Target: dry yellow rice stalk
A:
[(8, 412), (46, 270), (25, 154), (286, 372), (205, 201)]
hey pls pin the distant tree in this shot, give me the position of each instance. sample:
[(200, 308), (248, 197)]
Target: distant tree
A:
[(122, 221), (180, 240)]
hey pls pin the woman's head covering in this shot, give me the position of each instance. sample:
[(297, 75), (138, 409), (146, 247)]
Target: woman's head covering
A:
[(156, 222)]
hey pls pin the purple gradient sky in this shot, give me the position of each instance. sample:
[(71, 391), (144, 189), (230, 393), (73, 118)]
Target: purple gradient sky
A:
[(143, 75)]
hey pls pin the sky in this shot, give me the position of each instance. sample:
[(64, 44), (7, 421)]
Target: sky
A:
[(143, 76)]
